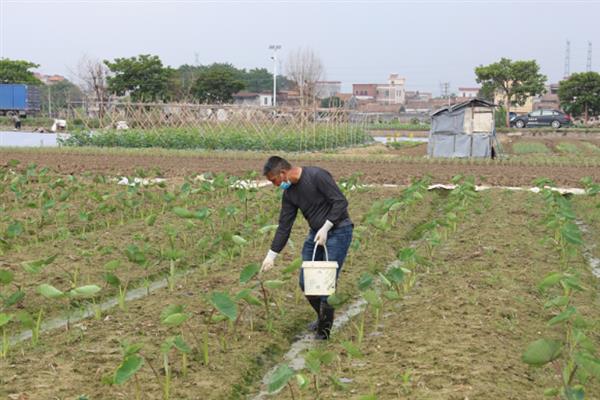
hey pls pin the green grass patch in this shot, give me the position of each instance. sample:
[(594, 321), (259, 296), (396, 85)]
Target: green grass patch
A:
[(565, 147), (403, 144), (530, 148), (590, 147)]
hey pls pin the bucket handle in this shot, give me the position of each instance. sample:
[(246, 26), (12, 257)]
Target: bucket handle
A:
[(315, 252)]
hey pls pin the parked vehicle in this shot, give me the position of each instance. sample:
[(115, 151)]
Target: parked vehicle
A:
[(553, 118), (19, 99)]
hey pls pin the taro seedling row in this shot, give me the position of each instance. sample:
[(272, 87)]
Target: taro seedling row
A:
[(463, 329), (200, 325)]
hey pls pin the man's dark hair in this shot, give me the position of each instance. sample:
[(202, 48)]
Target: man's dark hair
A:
[(275, 164)]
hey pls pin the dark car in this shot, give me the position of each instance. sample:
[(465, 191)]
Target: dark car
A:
[(553, 118)]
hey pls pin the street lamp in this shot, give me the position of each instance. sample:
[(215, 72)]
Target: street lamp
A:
[(274, 47)]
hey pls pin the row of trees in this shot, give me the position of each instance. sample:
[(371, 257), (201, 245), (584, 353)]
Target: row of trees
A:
[(579, 94), (144, 78)]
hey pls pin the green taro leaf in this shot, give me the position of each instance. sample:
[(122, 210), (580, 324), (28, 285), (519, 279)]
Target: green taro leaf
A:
[(396, 275), (550, 280), (223, 303), (240, 241), (15, 229), (267, 228), (280, 378), (541, 352), (49, 291), (112, 279), (181, 345), (563, 316), (26, 319), (183, 212), (85, 291), (130, 349), (112, 265), (589, 363), (301, 381), (150, 219), (5, 319), (273, 284), (391, 295), (175, 319), (14, 298), (246, 295), (372, 298), (36, 266), (559, 301), (170, 310), (294, 266), (128, 368), (351, 349), (338, 299), (365, 281), (6, 276), (249, 272)]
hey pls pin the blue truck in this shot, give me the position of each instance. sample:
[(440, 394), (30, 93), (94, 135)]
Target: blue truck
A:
[(19, 98)]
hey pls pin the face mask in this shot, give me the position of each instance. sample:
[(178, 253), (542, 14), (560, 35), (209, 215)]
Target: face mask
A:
[(285, 185)]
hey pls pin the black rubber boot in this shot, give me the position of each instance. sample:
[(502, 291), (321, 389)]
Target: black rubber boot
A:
[(315, 303), (325, 321)]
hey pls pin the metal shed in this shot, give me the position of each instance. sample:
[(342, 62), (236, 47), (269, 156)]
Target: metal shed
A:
[(463, 130)]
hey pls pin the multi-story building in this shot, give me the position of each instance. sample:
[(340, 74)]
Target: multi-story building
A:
[(392, 92), (467, 92)]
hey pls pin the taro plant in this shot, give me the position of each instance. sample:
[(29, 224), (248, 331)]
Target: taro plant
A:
[(131, 363), (573, 356), (4, 320), (174, 317), (111, 277), (72, 296), (314, 360)]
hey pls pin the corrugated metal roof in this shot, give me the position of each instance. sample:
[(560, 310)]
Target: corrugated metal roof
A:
[(472, 102)]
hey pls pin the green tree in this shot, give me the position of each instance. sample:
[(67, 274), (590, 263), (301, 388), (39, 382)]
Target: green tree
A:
[(258, 80), (17, 71), (332, 102), (217, 83), (516, 81), (580, 94), (58, 96), (143, 77)]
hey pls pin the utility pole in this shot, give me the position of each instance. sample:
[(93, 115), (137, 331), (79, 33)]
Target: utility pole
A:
[(588, 66), (568, 60), (445, 86), (274, 47), (49, 100)]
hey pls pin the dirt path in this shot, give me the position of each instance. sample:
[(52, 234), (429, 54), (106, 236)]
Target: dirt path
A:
[(398, 172)]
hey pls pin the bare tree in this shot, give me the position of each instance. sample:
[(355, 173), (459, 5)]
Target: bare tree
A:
[(92, 74), (305, 69)]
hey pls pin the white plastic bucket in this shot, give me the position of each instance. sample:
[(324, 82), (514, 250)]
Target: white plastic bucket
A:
[(319, 276)]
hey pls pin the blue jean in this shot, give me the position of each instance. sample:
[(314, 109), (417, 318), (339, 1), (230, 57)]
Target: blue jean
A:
[(338, 242)]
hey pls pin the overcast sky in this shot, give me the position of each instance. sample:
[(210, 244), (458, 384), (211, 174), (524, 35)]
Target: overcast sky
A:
[(359, 42)]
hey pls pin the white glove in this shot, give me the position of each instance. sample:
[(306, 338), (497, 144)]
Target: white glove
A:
[(321, 236), (269, 261)]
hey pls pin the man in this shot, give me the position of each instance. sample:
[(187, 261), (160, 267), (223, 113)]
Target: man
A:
[(325, 208)]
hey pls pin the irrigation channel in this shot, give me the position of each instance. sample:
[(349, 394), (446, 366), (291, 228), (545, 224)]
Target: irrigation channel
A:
[(30, 139)]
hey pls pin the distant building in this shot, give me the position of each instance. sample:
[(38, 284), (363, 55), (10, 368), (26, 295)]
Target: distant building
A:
[(49, 79), (364, 91), (467, 92), (325, 89), (253, 99), (418, 96), (549, 100), (392, 92)]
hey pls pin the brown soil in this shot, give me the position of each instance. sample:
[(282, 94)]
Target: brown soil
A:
[(374, 170)]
